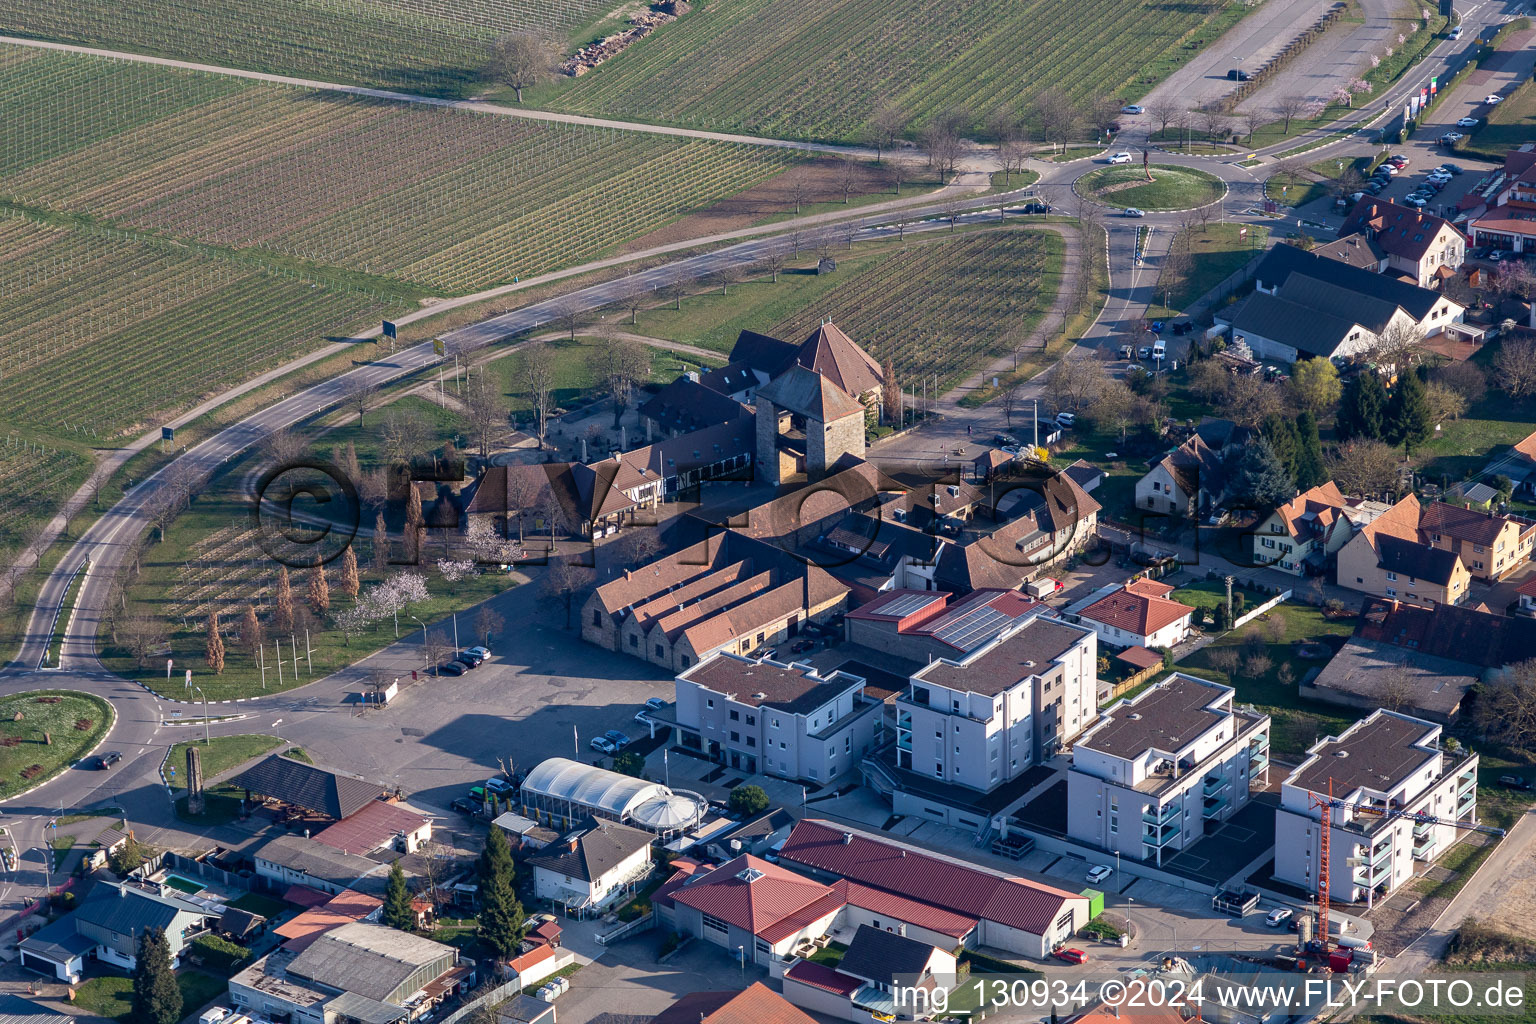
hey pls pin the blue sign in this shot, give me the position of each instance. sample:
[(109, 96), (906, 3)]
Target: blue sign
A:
[(167, 433), (389, 329)]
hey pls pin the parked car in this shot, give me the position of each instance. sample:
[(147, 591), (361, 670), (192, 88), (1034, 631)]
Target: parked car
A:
[(1389, 169), (1451, 138), (1120, 158), (107, 760), (1066, 420), (1238, 75), (1132, 108), (499, 786), (483, 653), (464, 805), (1071, 955), (1126, 351), (655, 703), (1131, 211), (1279, 916), (1496, 255), (602, 745), (1493, 99), (1157, 327), (1468, 122), (1002, 439), (1037, 207), (618, 739), (1451, 169), (1099, 872), (1513, 782), (452, 668), (801, 646), (467, 660), (1145, 352), (1417, 202), (1397, 160)]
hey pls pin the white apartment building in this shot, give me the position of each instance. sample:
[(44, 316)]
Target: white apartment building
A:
[(987, 717), (1159, 772), (776, 718), (1397, 800)]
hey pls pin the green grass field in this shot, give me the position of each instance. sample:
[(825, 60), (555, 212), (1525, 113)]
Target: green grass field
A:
[(218, 757), (55, 728), (1216, 251), (817, 68), (574, 377), (1172, 188), (111, 996)]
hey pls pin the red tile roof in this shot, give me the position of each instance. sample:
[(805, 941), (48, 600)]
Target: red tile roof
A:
[(758, 1004), (304, 896), (537, 955), (345, 907), (1400, 230), (1527, 445), (808, 972), (1141, 607), (1462, 523), (370, 828), (773, 895), (1140, 657), (1016, 902), (1528, 588), (900, 908)]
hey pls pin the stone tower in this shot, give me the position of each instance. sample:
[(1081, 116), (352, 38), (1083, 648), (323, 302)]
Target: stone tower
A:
[(194, 780), (805, 423)]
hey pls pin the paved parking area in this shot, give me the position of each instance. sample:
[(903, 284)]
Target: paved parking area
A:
[(629, 977)]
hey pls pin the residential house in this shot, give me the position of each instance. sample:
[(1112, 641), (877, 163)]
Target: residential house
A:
[(968, 726), (776, 718), (878, 967), (1527, 598), (1386, 558), (756, 910), (1304, 305), (1162, 771), (1139, 614), (1302, 536), (1397, 799), (686, 405), (106, 927), (756, 1004), (1185, 482), (593, 867), (1419, 246), (353, 972), (1519, 465), (1490, 545), (301, 860), (1509, 220), (378, 824), (757, 836)]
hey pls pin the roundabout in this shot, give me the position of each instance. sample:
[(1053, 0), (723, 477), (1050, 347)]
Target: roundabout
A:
[(1173, 188)]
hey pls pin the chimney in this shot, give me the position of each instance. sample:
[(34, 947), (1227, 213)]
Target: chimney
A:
[(847, 838)]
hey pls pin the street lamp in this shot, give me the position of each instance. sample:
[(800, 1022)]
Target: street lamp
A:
[(425, 660), (741, 952), (207, 741)]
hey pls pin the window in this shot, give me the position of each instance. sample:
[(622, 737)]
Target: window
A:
[(848, 744), (735, 737), (938, 769), (661, 651), (774, 723), (751, 719), (751, 741), (718, 925), (1391, 592), (597, 616), (710, 702), (735, 715), (687, 661), (634, 641), (1391, 575)]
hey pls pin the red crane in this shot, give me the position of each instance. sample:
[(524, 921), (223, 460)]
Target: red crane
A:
[(1326, 817)]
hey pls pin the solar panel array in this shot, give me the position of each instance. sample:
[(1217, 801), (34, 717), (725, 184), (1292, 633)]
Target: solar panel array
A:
[(906, 604), (971, 630)]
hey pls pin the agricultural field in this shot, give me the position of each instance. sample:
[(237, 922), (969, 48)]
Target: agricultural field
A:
[(35, 478), (436, 47), (817, 68)]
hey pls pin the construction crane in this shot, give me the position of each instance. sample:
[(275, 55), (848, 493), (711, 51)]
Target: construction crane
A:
[(1326, 805)]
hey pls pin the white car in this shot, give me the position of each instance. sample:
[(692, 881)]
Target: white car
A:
[(1450, 137), (1099, 872), (1280, 915), (1468, 122), (1132, 109), (1120, 158), (1493, 99), (602, 745), (1131, 211), (1066, 420), (1455, 33)]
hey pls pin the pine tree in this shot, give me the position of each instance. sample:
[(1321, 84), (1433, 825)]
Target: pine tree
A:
[(251, 633), (1363, 407), (282, 602), (156, 996), (1260, 478), (215, 648), (1309, 469), (319, 591), (1281, 434), (501, 915), (397, 901), (380, 544), (350, 582), (1407, 419), (890, 394)]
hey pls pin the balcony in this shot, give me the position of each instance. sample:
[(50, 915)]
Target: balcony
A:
[(1214, 804), (1380, 854), (1422, 829), (1161, 836), (1169, 812), (1424, 849), (1466, 783), (1213, 785), (904, 740)]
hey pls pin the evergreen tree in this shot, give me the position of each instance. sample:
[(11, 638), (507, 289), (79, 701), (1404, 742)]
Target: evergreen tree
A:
[(319, 591), (156, 996), (1363, 407), (1259, 478), (215, 646), (501, 915), (1407, 421), (350, 582), (1309, 469), (251, 633), (282, 602), (380, 543), (397, 901), (1281, 434)]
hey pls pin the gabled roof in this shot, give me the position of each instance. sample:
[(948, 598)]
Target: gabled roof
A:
[(1527, 446), (876, 955), (1454, 632), (757, 1004), (730, 379), (687, 405), (1284, 260), (1462, 523), (1399, 230), (1313, 512), (16, 1010), (309, 786), (1411, 558), (1141, 607), (810, 394), (347, 906), (768, 356), (1016, 902), (834, 355), (601, 848), (319, 861), (1355, 249), (371, 827), (751, 893)]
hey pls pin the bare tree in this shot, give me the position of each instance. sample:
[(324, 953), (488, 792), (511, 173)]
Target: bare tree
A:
[(1399, 346), (1056, 116), (435, 648), (674, 292), (1164, 112), (143, 636), (1104, 113), (900, 169), (632, 295), (564, 582), (568, 313), (405, 436), (774, 261), (942, 141), (886, 125), (1506, 705), (848, 175), (1252, 120), (952, 212), (1215, 124), (1184, 121), (1364, 467), (522, 60), (539, 378), (620, 365), (1289, 108), (488, 622), (799, 191), (640, 545), (361, 395), (1514, 367), (487, 408), (725, 275)]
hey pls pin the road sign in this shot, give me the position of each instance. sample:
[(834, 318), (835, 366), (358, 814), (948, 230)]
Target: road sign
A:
[(438, 347), (389, 329), (1242, 232), (167, 433)]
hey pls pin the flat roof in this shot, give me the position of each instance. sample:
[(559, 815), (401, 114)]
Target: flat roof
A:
[(1167, 716), (1379, 752), (1028, 651), (792, 689)]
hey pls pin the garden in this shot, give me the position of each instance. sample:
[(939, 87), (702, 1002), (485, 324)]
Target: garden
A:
[(42, 732)]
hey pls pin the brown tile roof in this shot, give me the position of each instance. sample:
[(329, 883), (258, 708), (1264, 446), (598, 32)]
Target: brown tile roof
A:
[(1485, 639), (809, 972), (371, 827), (1527, 445), (751, 893), (834, 355), (913, 912), (747, 617), (788, 688), (1313, 511), (1140, 657), (345, 907), (1355, 249), (1016, 902), (1528, 588), (709, 582), (809, 394), (1399, 230), (677, 622), (758, 1004), (1141, 607), (640, 585), (1400, 521), (1461, 523)]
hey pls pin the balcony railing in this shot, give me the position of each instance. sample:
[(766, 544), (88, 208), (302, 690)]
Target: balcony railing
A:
[(1169, 833), (1258, 760), (1259, 742), (1422, 829), (1214, 804), (1423, 849), (1169, 812), (1213, 785), (1377, 856)]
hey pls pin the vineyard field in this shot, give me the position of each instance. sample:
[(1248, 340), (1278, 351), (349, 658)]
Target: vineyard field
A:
[(35, 478), (817, 68), (434, 47), (446, 200)]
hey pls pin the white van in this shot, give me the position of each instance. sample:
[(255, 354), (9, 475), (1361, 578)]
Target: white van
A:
[(1158, 351), (213, 1015)]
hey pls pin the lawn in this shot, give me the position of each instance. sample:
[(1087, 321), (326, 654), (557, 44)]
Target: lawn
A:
[(1216, 251), (575, 378), (111, 996), (1462, 447), (1289, 189), (224, 753), (1297, 723), (1172, 188), (44, 731), (829, 955), (266, 906), (1510, 125)]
